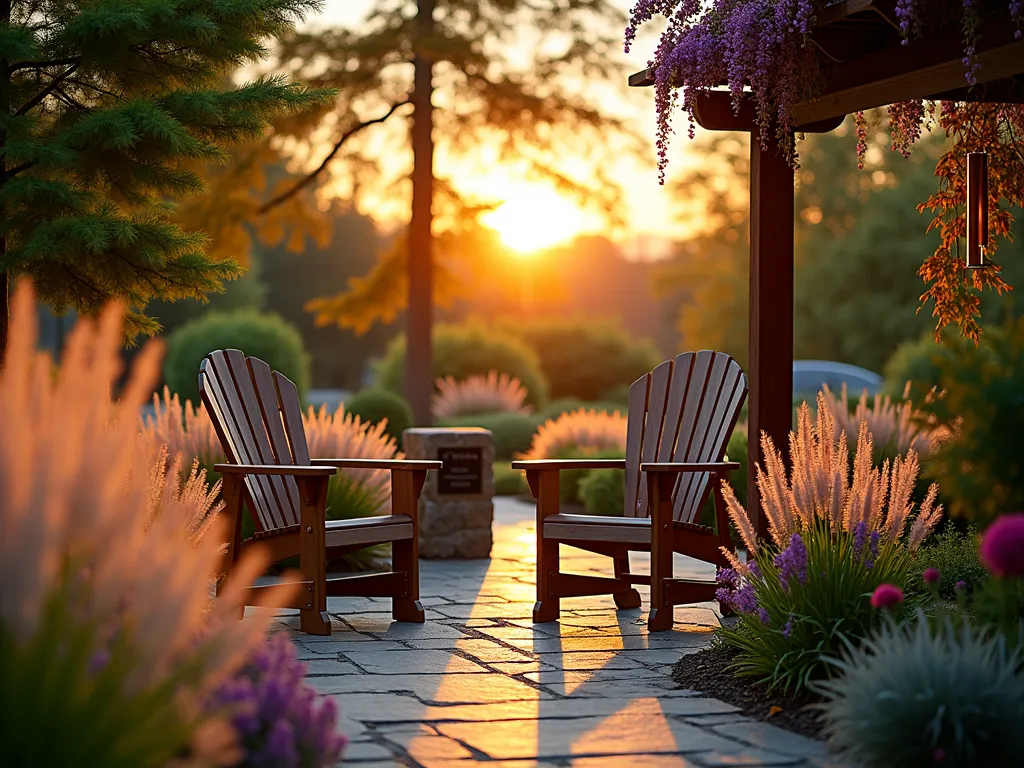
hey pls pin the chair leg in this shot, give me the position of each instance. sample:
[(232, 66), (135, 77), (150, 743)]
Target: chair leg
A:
[(231, 493), (659, 492), (630, 599), (405, 557), (547, 607), (313, 619), (405, 554)]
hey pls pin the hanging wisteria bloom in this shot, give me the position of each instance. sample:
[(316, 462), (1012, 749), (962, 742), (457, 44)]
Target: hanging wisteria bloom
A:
[(764, 48)]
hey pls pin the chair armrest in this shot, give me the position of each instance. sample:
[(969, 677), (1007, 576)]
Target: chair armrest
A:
[(560, 464), (391, 464), (290, 470), (681, 467)]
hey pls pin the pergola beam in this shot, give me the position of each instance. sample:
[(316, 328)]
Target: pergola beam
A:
[(715, 111)]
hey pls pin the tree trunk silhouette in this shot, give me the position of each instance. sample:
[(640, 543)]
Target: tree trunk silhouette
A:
[(419, 374)]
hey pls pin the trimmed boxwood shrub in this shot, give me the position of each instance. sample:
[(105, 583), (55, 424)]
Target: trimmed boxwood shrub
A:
[(513, 432), (603, 492), (462, 350), (375, 405), (586, 359), (266, 336)]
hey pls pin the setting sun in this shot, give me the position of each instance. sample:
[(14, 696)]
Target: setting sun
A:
[(536, 219)]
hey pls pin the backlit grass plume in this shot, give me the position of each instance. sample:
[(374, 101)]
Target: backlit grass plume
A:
[(478, 394), (185, 429), (821, 487), (109, 639), (579, 433), (895, 427)]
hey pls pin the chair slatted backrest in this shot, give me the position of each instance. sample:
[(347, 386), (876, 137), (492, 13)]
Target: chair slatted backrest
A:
[(256, 414), (682, 411)]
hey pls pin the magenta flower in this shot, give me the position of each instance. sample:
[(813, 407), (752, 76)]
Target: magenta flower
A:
[(931, 576), (960, 586), (886, 596), (1002, 548)]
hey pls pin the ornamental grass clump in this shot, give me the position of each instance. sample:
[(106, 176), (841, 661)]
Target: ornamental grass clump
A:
[(895, 427), (835, 536), (109, 639), (579, 433), (476, 394), (919, 695)]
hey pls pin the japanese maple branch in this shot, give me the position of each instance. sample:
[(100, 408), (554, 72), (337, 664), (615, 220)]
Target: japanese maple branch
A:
[(307, 180)]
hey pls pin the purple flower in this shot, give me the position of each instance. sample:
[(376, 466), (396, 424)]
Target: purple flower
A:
[(792, 562), (763, 615), (277, 716), (1002, 547), (960, 586), (99, 661), (869, 561), (744, 600), (755, 570), (860, 538), (727, 577), (787, 629)]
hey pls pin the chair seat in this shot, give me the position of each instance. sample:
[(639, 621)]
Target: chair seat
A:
[(630, 530)]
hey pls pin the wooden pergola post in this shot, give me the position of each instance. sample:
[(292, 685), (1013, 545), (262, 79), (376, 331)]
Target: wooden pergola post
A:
[(770, 347)]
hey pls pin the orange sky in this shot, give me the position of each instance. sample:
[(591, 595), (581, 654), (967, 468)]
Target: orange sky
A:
[(648, 205)]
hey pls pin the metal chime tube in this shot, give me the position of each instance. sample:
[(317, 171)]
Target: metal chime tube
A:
[(977, 208)]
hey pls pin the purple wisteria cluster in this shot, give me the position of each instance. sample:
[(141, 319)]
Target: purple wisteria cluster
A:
[(764, 45), (277, 717)]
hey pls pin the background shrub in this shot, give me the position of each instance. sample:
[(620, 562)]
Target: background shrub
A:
[(375, 405), (513, 432), (983, 407), (586, 359), (955, 555), (267, 337), (603, 492), (508, 481), (556, 408), (463, 350), (919, 362), (916, 696)]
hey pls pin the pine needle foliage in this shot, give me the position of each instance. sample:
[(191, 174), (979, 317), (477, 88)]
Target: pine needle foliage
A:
[(108, 108)]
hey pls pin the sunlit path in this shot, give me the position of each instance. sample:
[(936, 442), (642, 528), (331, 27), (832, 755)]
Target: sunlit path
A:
[(478, 682)]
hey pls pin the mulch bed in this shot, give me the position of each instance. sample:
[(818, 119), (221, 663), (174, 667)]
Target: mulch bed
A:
[(707, 671)]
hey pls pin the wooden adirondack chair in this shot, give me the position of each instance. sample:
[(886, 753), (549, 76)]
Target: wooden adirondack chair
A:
[(257, 417), (679, 422)]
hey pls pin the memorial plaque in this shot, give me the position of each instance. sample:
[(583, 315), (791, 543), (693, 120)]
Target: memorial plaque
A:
[(462, 473)]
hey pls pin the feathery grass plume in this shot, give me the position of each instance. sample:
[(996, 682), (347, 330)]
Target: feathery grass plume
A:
[(478, 394), (106, 584), (820, 487), (352, 492), (189, 494), (579, 432), (185, 429), (896, 426)]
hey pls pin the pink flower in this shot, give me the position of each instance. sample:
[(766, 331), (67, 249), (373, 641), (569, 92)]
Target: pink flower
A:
[(931, 576), (1002, 548), (886, 596)]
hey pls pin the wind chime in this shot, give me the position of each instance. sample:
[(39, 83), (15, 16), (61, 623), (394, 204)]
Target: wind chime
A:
[(977, 209)]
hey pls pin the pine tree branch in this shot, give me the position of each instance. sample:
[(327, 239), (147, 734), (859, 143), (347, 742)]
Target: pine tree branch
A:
[(44, 64), (54, 85), (311, 177), (12, 172)]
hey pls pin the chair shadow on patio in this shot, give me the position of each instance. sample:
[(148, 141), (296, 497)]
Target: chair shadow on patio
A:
[(480, 682)]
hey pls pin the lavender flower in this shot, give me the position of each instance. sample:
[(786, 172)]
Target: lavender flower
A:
[(763, 615), (792, 562), (869, 561), (787, 628), (277, 716), (727, 577), (744, 600), (860, 538)]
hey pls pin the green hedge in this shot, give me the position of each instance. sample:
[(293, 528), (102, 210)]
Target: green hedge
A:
[(513, 432), (265, 336), (586, 359), (603, 492), (463, 350), (375, 405)]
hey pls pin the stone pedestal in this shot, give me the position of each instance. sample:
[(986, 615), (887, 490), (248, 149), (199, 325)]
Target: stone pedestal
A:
[(456, 507)]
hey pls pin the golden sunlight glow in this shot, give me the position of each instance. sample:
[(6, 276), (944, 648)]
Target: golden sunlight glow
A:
[(536, 218)]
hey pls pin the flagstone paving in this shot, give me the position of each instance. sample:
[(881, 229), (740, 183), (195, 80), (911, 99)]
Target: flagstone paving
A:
[(478, 682)]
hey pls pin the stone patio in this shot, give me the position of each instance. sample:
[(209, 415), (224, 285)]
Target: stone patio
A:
[(478, 682)]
